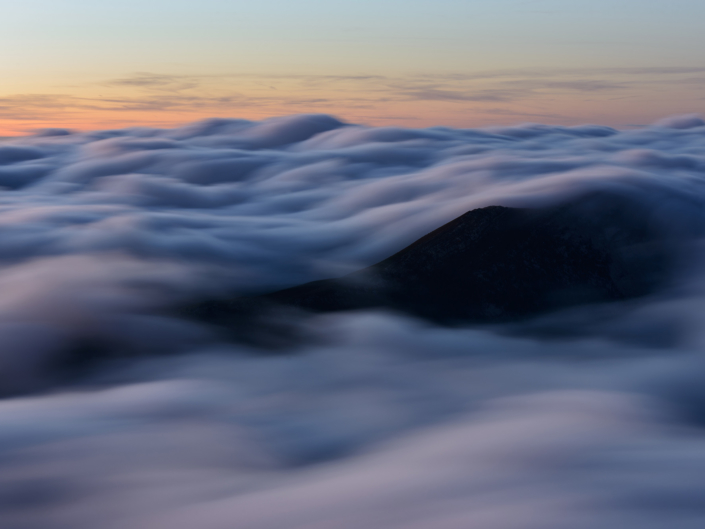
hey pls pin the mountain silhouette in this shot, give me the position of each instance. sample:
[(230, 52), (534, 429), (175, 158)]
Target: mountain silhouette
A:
[(491, 265)]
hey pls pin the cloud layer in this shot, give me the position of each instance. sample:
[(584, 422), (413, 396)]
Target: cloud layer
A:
[(379, 422)]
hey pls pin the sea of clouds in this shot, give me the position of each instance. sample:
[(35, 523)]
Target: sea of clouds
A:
[(379, 420)]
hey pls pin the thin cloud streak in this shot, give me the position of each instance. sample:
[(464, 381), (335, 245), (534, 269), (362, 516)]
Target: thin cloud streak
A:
[(458, 99)]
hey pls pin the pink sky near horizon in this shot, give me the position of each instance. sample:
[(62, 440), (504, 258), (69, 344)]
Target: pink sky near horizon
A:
[(619, 98)]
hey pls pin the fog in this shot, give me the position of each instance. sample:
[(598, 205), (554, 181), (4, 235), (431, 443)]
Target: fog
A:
[(588, 418)]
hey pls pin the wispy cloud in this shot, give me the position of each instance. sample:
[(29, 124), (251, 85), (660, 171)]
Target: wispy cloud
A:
[(434, 94), (161, 82), (184, 97)]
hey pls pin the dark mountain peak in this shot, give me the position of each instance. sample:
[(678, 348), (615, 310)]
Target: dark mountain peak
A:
[(493, 264), (498, 263)]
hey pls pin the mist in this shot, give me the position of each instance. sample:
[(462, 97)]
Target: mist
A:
[(591, 417)]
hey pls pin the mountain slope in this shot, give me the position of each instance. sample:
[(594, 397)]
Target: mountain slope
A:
[(490, 265)]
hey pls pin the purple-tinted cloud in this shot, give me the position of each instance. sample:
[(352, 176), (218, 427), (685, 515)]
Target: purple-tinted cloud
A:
[(379, 421)]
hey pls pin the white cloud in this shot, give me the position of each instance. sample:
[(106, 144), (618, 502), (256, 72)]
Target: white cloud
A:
[(381, 421)]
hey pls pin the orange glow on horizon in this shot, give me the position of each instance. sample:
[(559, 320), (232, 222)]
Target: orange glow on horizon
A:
[(557, 97)]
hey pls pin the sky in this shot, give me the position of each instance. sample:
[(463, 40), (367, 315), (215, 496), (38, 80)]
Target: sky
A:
[(85, 65)]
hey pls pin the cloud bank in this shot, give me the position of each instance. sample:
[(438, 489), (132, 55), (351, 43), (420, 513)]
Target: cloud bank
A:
[(380, 421)]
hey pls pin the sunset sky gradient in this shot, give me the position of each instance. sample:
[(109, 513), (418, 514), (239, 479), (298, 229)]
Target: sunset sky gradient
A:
[(85, 65)]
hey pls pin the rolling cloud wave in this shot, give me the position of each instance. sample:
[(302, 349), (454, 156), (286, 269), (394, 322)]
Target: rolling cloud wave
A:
[(380, 421)]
